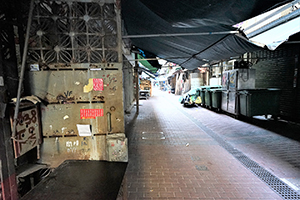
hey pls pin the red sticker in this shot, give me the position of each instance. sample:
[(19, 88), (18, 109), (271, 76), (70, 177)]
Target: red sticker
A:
[(90, 113), (98, 84)]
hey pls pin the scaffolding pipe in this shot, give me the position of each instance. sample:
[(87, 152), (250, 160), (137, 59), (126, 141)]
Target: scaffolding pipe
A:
[(22, 69), (180, 34), (137, 87)]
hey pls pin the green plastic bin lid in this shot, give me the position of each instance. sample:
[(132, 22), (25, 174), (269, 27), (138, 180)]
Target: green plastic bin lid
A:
[(216, 90), (258, 90), (210, 86)]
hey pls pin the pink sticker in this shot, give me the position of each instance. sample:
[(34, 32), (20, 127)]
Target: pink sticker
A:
[(90, 113), (98, 84)]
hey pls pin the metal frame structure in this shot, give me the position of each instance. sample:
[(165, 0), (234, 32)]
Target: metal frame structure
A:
[(75, 68)]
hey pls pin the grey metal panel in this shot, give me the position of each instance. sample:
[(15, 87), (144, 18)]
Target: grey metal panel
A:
[(229, 102), (68, 85), (224, 104), (57, 149), (239, 79), (246, 79), (117, 148), (61, 119), (75, 59), (232, 102), (225, 80)]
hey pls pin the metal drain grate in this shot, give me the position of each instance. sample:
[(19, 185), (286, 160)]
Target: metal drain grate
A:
[(277, 185), (195, 158), (201, 168)]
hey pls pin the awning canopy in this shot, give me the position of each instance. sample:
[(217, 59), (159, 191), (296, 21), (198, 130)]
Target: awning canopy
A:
[(274, 27), (191, 33), (147, 65)]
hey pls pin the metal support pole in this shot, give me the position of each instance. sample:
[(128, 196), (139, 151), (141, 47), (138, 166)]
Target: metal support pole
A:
[(8, 174), (22, 69), (180, 34), (9, 187), (137, 88)]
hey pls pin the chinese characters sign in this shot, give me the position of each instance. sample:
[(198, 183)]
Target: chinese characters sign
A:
[(90, 113), (27, 131), (98, 84)]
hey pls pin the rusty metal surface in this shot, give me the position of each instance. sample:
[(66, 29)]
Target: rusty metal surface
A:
[(117, 148), (71, 92), (58, 149), (81, 180), (113, 147), (28, 132), (75, 68), (65, 86)]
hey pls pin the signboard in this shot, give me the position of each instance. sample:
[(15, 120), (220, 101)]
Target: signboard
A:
[(28, 133)]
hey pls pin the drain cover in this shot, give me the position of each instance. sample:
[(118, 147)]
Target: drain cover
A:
[(153, 136), (195, 158), (201, 168)]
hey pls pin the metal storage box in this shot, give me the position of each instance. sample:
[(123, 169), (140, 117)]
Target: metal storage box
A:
[(216, 97), (259, 102), (205, 94), (208, 98)]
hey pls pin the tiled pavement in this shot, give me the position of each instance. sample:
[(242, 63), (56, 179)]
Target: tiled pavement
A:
[(175, 153)]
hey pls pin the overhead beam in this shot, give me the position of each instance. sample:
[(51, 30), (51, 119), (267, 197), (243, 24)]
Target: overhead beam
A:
[(141, 59), (179, 34)]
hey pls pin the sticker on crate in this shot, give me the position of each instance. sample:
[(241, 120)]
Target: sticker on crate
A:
[(90, 113), (28, 134), (95, 84)]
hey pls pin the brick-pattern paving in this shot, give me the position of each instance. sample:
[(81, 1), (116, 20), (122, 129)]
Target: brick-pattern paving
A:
[(268, 144), (172, 158)]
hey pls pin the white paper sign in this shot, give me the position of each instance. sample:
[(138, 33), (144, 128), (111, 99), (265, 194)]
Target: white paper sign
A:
[(84, 130)]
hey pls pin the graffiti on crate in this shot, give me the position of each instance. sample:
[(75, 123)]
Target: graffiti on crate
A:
[(111, 80), (27, 131), (95, 84), (118, 151), (72, 146), (65, 97)]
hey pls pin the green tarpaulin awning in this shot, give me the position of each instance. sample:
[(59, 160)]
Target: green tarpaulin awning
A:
[(146, 64)]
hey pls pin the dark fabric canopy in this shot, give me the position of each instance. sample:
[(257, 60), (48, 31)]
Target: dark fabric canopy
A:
[(144, 17)]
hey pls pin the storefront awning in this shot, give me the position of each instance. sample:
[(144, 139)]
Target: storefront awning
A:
[(274, 27), (191, 33), (147, 65)]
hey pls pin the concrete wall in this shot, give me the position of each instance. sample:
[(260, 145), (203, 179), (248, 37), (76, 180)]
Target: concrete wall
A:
[(128, 85)]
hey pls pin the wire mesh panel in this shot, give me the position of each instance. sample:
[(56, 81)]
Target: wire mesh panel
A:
[(74, 32)]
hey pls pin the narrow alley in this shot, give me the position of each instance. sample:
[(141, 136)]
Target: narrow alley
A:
[(195, 153)]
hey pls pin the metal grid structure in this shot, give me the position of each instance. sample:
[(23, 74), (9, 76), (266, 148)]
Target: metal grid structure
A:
[(75, 66), (69, 32)]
